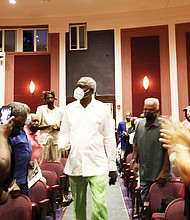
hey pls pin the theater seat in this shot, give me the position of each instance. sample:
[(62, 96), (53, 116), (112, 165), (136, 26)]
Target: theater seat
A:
[(62, 178), (157, 192), (39, 197), (53, 186), (17, 209), (174, 211)]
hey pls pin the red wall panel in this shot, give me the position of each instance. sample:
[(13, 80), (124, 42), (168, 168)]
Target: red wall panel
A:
[(145, 61), (35, 68)]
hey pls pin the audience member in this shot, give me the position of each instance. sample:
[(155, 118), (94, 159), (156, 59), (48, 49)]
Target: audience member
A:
[(131, 131), (5, 157), (87, 132), (50, 117), (122, 131), (175, 137), (150, 158), (21, 147), (34, 136), (186, 122)]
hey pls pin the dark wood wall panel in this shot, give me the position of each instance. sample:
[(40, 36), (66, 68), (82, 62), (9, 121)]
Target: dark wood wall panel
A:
[(96, 62)]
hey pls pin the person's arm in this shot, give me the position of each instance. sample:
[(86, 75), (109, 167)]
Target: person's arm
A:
[(64, 136), (135, 160), (5, 154), (109, 144), (176, 138)]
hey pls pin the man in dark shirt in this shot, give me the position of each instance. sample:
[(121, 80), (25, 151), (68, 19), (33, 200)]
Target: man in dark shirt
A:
[(150, 158)]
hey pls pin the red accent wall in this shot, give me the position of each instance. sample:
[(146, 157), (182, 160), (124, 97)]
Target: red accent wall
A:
[(41, 67), (142, 53), (35, 68), (145, 61), (182, 66)]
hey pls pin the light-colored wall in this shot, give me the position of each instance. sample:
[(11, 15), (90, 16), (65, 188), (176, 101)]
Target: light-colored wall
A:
[(119, 21)]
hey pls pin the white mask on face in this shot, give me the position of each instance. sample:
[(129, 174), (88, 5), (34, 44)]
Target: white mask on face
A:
[(28, 120), (78, 93)]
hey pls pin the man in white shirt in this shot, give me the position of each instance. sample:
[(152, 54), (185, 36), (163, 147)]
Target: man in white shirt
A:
[(50, 117), (87, 133)]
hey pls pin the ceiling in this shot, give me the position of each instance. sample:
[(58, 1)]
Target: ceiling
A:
[(61, 8)]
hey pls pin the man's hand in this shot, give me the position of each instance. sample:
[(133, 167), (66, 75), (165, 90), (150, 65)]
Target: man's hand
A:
[(135, 168), (6, 129), (161, 180), (4, 197), (113, 177)]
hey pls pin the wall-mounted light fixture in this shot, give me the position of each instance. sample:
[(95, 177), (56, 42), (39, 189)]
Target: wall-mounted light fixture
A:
[(32, 87), (145, 82), (12, 2)]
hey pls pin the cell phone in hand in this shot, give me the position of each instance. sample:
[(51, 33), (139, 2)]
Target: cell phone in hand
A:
[(5, 114)]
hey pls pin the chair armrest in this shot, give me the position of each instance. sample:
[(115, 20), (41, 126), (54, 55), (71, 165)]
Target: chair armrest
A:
[(34, 211), (53, 197), (146, 210), (62, 183), (43, 207)]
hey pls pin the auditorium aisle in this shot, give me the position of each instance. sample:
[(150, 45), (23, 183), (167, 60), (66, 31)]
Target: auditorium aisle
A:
[(116, 204)]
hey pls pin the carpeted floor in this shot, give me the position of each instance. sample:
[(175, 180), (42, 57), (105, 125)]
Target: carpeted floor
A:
[(119, 205), (115, 201)]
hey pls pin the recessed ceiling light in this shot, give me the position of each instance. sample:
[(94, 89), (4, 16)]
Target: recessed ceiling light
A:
[(12, 2)]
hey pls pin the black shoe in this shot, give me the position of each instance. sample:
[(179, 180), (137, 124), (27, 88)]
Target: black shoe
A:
[(67, 202)]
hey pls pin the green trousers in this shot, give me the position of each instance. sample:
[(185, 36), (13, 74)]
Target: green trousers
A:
[(97, 185)]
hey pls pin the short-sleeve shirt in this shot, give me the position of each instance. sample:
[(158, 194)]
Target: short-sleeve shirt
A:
[(151, 152)]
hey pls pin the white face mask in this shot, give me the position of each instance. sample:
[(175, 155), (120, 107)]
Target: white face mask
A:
[(78, 93), (28, 120)]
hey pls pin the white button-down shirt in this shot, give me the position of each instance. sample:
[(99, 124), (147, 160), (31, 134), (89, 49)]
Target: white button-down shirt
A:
[(90, 134)]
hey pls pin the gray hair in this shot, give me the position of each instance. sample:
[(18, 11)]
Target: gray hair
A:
[(154, 100), (18, 109), (91, 82)]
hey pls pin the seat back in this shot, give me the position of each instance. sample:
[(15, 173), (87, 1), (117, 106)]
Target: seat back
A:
[(39, 196), (158, 191), (62, 179), (56, 166), (51, 177), (175, 210), (38, 192), (17, 208)]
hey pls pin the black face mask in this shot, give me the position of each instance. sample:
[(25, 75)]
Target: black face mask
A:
[(50, 103), (149, 116), (128, 118), (34, 129)]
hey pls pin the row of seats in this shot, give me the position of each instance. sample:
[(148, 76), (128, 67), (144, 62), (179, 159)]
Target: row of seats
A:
[(43, 198), (157, 192)]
